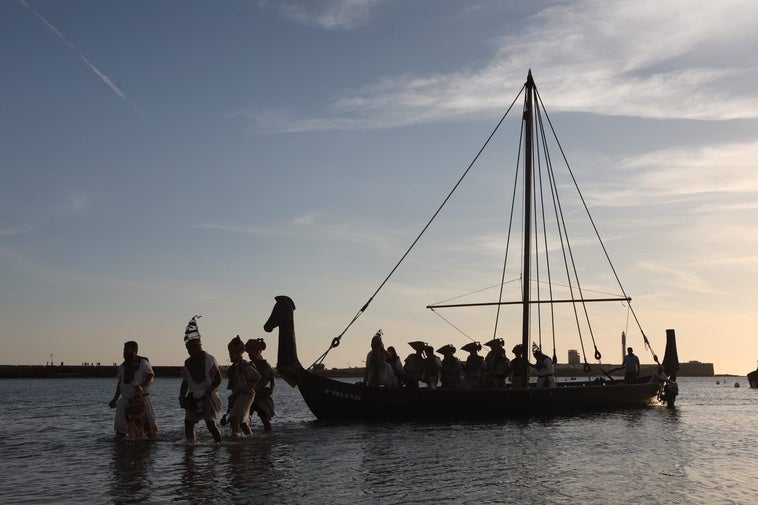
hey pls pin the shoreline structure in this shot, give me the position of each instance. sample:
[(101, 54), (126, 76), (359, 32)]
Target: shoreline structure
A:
[(688, 369)]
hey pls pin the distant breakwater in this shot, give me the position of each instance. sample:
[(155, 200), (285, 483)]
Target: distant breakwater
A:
[(74, 371), (691, 369)]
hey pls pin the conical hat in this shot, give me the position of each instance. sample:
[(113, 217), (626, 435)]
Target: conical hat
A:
[(417, 345), (495, 342), (191, 332), (446, 349), (472, 346)]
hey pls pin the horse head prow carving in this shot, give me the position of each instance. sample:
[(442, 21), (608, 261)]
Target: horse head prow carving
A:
[(281, 316)]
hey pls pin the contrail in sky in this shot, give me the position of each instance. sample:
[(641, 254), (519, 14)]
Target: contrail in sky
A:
[(103, 78)]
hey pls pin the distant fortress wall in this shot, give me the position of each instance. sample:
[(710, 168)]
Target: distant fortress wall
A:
[(690, 369)]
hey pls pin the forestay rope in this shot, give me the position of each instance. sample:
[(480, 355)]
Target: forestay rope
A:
[(336, 340)]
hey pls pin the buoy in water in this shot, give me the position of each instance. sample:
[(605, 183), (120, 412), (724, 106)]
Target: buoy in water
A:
[(718, 382), (736, 384)]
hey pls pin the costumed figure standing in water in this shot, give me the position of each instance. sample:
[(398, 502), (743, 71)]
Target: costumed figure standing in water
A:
[(198, 394), (263, 403), (134, 412), (243, 377)]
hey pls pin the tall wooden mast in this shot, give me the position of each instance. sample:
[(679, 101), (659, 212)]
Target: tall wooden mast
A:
[(528, 129)]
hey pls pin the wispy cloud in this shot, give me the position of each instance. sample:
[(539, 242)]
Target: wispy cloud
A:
[(75, 203), (639, 59), (329, 14), (314, 225), (10, 232), (99, 73), (236, 229), (723, 168), (679, 277)]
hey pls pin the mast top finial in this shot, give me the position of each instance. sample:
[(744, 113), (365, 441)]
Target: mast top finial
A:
[(529, 79)]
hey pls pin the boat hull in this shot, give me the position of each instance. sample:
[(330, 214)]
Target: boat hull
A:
[(332, 400), (752, 378)]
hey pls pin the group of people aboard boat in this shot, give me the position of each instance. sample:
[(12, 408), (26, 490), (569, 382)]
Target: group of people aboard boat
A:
[(384, 367)]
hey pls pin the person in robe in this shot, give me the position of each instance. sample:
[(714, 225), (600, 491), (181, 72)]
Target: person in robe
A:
[(397, 366), (544, 366), (263, 404), (414, 364), (474, 366), (497, 366), (659, 375), (198, 393), (631, 366), (451, 373), (242, 379), (519, 368), (134, 412), (432, 368), (670, 391), (378, 372)]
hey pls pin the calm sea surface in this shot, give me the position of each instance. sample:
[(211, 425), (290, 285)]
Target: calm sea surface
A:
[(57, 446)]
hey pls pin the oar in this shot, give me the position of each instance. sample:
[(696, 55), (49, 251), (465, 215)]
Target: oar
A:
[(608, 373)]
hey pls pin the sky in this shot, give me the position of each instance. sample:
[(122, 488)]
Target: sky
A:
[(164, 159)]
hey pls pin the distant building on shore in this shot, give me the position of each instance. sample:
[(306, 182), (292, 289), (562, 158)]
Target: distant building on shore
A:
[(573, 357)]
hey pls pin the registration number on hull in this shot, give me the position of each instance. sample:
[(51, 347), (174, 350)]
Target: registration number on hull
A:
[(342, 394)]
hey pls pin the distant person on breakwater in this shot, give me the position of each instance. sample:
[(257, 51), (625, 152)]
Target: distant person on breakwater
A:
[(198, 394), (243, 377), (632, 366), (134, 412), (263, 404)]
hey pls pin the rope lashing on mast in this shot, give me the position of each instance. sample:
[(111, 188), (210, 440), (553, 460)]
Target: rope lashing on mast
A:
[(336, 340)]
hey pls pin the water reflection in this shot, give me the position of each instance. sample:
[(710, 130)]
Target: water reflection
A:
[(249, 470), (702, 451), (131, 472), (198, 481)]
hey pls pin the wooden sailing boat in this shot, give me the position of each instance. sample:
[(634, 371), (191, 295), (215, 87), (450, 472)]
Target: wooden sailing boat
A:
[(331, 399)]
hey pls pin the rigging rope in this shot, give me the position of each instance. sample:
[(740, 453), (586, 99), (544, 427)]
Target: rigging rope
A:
[(544, 237), (510, 228), (336, 340), (562, 222), (452, 325), (594, 227)]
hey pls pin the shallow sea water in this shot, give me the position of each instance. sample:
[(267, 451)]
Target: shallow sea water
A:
[(57, 446)]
